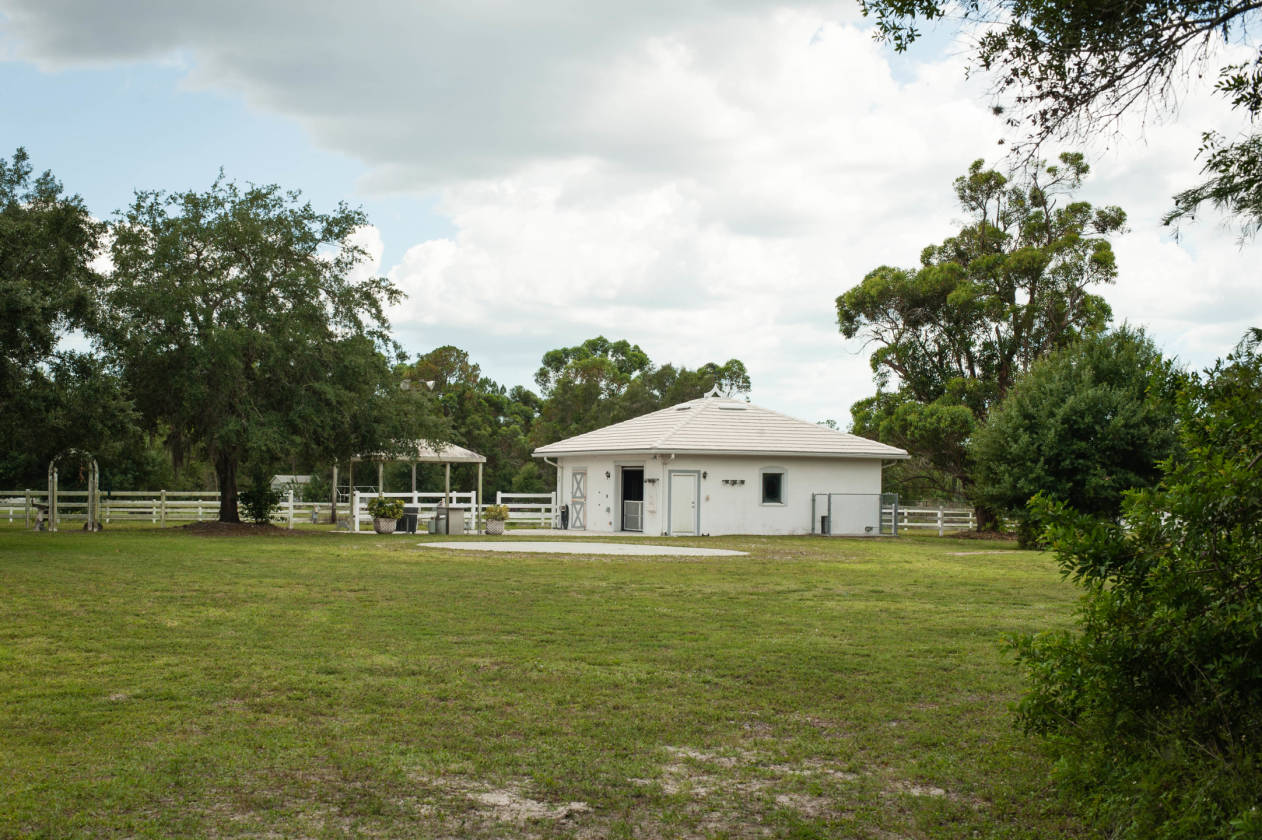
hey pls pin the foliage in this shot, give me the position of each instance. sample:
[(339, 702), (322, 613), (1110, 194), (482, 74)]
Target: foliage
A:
[(1154, 703), (529, 479), (1072, 67), (1084, 425), (497, 512), (259, 498), (47, 285), (51, 400), (244, 328), (954, 334), (380, 507), (318, 488), (480, 414), (600, 382)]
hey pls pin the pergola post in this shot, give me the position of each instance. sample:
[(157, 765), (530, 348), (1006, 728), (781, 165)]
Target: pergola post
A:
[(477, 504), (381, 478), (447, 487), (333, 498), (413, 482)]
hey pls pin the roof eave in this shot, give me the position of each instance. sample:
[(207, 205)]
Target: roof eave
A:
[(762, 453)]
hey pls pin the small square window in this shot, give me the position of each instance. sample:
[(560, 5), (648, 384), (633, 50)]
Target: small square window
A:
[(773, 488)]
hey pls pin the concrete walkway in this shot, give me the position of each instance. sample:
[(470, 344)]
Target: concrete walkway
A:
[(574, 547)]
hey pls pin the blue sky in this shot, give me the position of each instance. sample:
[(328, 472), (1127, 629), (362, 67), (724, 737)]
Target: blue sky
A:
[(109, 131), (701, 178)]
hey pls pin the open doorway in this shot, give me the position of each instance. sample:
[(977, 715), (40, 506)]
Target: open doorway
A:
[(632, 499)]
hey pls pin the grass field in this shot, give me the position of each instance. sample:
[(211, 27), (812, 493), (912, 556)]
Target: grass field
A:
[(162, 684)]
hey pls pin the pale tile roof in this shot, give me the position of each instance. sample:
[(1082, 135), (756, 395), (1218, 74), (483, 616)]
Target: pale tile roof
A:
[(717, 425), (422, 452)]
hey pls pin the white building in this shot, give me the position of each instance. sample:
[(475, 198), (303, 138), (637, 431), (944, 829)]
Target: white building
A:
[(719, 466)]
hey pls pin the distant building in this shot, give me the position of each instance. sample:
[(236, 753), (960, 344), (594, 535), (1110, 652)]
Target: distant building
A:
[(718, 466)]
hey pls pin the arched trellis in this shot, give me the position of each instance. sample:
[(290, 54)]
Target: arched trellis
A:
[(94, 489)]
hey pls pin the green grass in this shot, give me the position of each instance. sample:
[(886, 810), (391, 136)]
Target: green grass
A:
[(157, 684)]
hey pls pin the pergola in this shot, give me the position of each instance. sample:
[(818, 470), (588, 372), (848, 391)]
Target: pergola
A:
[(419, 453)]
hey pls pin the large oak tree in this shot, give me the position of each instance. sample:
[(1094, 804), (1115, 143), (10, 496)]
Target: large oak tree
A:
[(246, 329)]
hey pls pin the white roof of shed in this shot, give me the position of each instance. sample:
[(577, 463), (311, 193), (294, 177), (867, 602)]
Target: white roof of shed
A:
[(720, 426)]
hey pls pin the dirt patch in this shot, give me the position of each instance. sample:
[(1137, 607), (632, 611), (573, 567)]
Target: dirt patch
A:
[(236, 529), (978, 553)]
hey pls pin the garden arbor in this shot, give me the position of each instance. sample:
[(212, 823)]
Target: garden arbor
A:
[(93, 494)]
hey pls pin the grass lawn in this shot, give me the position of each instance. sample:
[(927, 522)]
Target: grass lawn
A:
[(159, 684)]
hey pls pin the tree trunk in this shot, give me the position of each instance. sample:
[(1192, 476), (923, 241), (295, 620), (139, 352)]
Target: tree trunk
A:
[(986, 519), (226, 472)]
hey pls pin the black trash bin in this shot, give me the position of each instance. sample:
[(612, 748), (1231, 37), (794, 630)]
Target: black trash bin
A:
[(407, 522), (565, 517)]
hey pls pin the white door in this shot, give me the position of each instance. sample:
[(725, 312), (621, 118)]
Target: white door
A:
[(578, 499), (684, 487)]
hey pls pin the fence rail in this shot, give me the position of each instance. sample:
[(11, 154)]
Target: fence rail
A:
[(942, 519), (157, 507)]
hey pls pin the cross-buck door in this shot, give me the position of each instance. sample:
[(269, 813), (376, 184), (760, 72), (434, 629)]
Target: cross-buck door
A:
[(578, 500)]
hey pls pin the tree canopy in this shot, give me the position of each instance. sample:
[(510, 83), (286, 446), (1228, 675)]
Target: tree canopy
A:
[(243, 326), (1071, 68), (1084, 425), (953, 335), (600, 382)]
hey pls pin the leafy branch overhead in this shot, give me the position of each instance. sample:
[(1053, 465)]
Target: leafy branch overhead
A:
[(1071, 69)]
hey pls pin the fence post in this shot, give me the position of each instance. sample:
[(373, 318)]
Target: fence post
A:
[(355, 511), (162, 509), (291, 508), (939, 521)]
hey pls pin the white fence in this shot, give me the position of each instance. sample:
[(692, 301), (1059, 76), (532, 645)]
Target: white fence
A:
[(537, 509), (157, 507), (531, 509), (941, 519)]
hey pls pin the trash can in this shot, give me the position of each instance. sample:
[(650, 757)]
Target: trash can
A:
[(440, 519), (407, 522), (565, 517), (455, 519)]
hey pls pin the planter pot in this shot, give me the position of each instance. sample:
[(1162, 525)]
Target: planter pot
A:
[(495, 527), (384, 526)]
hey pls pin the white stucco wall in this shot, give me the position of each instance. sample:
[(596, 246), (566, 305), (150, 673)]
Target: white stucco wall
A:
[(727, 508)]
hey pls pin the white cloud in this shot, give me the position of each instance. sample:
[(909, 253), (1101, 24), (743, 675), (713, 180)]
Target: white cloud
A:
[(701, 178)]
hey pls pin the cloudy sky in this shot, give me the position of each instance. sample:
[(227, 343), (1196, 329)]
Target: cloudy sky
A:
[(700, 178)]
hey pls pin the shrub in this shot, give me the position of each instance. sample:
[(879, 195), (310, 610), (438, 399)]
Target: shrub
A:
[(383, 508), (1154, 702), (1084, 425), (496, 512), (258, 500)]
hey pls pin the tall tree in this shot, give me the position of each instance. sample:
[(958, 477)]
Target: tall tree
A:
[(244, 326), (1069, 68), (953, 335), (53, 399), (482, 414), (47, 285), (600, 382)]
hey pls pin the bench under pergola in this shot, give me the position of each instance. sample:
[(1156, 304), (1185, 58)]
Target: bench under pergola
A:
[(418, 453)]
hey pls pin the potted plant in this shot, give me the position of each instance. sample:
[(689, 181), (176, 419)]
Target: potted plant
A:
[(496, 516), (385, 514)]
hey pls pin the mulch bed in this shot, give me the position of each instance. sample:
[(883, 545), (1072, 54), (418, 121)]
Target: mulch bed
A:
[(236, 529)]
